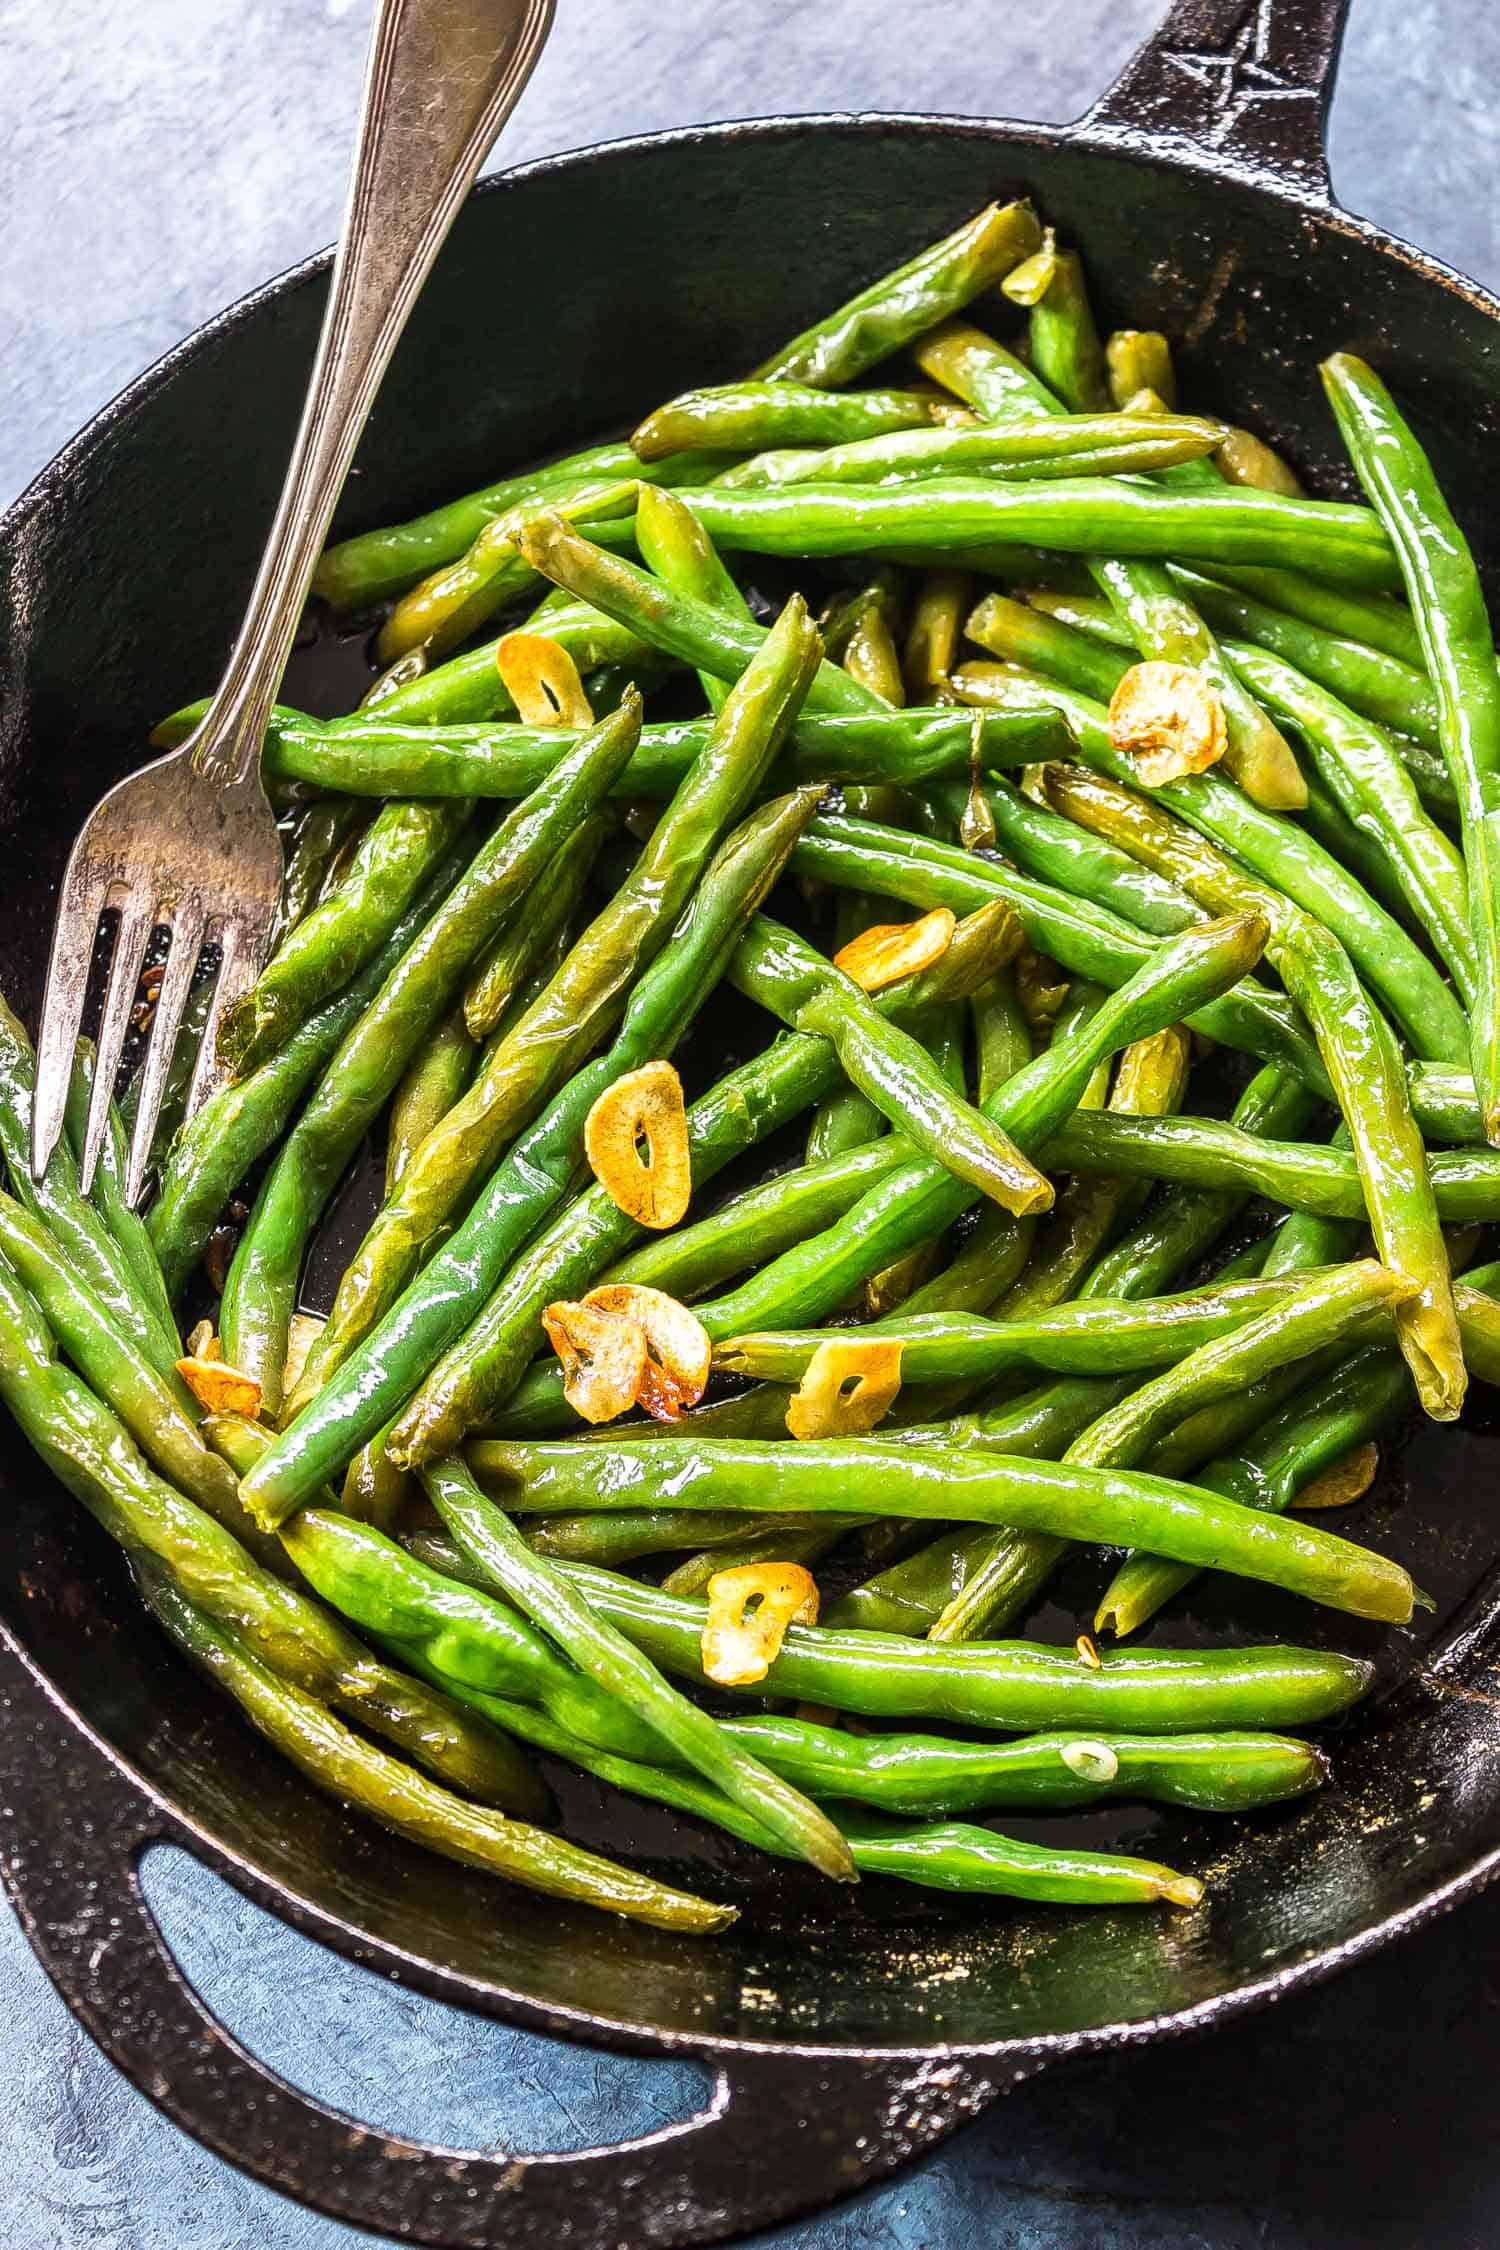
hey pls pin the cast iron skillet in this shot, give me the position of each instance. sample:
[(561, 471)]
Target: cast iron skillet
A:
[(845, 2035)]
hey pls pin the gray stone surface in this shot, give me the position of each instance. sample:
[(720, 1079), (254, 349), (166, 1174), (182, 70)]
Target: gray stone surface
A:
[(156, 159)]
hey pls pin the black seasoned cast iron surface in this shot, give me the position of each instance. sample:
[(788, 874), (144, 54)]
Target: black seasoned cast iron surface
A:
[(124, 571)]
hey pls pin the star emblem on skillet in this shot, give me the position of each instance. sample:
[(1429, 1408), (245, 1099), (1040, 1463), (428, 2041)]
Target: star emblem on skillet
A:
[(1238, 77)]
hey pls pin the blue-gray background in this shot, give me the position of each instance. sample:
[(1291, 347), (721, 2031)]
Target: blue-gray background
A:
[(158, 158)]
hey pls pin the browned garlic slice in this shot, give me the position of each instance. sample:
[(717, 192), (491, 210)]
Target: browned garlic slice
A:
[(849, 1385), (645, 1105), (740, 1642)]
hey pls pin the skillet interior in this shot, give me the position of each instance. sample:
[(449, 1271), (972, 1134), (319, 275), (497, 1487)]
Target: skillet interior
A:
[(571, 297)]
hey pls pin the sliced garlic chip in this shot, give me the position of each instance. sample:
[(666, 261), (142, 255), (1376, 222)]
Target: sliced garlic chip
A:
[(740, 1642), (1168, 720), (678, 1352), (849, 1385), (889, 951), (645, 1105), (1344, 1482), (218, 1387), (603, 1358), (543, 681)]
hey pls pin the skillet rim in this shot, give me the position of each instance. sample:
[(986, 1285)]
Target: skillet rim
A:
[(1022, 2056)]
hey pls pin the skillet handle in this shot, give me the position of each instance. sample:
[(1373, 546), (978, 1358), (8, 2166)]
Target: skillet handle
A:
[(1238, 87), (782, 2133)]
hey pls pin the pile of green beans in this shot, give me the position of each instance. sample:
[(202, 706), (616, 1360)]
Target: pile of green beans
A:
[(998, 1052)]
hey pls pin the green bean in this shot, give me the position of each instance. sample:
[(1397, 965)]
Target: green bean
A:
[(891, 1068), (448, 608), (940, 280), (1150, 1081), (997, 1251), (372, 566), (694, 1576), (919, 1774), (1085, 938), (1002, 1037), (587, 996), (88, 1450), (1140, 359), (912, 1595), (1358, 1051), (1287, 857), (758, 1224), (502, 759), (457, 1634), (1324, 1310), (400, 851), (1444, 1103), (353, 1403), (1054, 849), (675, 546), (881, 1477), (753, 416), (1027, 633), (336, 1760), (694, 631), (259, 1296), (1064, 343), (1360, 1400), (1012, 1686), (950, 1857), (1372, 620), (426, 1091), (1099, 1335), (1393, 693), (984, 374), (932, 635), (107, 1195), (861, 634), (1076, 515), (625, 1535), (75, 1224), (527, 939), (218, 1147), (604, 1654), (1204, 1152), (847, 1119), (920, 1199), (328, 826), (1161, 622), (1374, 789), (1070, 445), (160, 1413), (1448, 605)]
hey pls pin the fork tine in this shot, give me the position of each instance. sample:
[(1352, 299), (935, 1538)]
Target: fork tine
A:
[(238, 968), (187, 942), (82, 899), (136, 923)]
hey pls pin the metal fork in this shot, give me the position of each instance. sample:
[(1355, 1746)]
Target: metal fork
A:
[(189, 843)]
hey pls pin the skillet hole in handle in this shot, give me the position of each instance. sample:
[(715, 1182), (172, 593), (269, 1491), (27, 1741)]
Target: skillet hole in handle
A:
[(782, 2132), (1234, 87)]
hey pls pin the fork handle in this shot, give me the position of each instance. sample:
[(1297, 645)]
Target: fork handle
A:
[(441, 78)]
